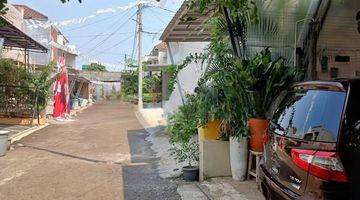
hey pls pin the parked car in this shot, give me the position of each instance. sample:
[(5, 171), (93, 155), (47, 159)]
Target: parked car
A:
[(312, 149)]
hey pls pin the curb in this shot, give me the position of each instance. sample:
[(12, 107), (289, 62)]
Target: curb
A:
[(142, 120), (25, 133)]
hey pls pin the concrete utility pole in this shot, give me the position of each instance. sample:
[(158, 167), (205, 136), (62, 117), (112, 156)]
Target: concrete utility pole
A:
[(139, 32)]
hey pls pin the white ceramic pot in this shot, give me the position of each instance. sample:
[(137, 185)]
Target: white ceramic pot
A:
[(238, 158)]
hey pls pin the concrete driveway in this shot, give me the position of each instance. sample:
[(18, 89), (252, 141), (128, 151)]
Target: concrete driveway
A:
[(101, 155)]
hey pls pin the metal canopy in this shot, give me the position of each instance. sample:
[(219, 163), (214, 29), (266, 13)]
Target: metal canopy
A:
[(181, 30), (14, 37)]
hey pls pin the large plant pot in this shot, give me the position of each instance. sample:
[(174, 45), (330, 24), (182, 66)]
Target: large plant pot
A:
[(190, 173), (258, 129), (210, 131), (3, 142), (238, 157)]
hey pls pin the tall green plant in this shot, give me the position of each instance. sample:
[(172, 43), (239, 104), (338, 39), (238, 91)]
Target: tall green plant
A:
[(129, 81), (265, 79), (42, 83), (182, 127), (223, 84)]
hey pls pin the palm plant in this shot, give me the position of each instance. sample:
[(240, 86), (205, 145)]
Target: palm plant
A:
[(221, 90), (266, 79)]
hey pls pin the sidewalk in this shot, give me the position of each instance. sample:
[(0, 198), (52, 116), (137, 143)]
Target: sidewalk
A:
[(213, 189)]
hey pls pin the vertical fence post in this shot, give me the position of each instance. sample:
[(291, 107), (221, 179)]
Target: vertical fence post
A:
[(37, 106)]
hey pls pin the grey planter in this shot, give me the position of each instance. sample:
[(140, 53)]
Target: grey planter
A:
[(3, 142)]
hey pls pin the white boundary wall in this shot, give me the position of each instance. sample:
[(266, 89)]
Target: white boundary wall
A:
[(188, 77)]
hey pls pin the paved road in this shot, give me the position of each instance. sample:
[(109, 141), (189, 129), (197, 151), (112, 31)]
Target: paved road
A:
[(102, 155)]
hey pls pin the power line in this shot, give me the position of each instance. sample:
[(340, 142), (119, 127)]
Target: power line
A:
[(80, 27), (99, 35), (95, 22), (165, 9), (104, 40), (93, 38), (108, 37), (115, 45), (155, 15), (134, 42)]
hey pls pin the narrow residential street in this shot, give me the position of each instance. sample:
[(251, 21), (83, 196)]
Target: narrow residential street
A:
[(101, 155)]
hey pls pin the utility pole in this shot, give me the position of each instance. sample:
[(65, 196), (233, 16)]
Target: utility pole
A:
[(139, 32)]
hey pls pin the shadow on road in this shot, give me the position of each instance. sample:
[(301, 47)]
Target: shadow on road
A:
[(71, 156), (143, 181)]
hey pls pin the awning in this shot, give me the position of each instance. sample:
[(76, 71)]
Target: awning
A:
[(14, 37), (181, 29)]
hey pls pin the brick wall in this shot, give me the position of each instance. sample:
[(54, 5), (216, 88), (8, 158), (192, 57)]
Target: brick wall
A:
[(340, 37)]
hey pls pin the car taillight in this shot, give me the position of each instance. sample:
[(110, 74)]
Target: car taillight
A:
[(322, 164)]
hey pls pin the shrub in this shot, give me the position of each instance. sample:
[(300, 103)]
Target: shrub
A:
[(182, 127)]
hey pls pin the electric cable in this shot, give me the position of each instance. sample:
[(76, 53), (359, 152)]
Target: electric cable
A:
[(108, 37), (94, 38), (115, 45)]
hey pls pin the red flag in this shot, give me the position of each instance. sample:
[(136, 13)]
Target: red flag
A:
[(61, 91)]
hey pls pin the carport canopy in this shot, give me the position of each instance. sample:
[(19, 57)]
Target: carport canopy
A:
[(186, 26), (15, 38)]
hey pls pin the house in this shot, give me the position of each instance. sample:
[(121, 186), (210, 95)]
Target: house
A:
[(37, 26), (17, 43), (158, 55), (322, 36)]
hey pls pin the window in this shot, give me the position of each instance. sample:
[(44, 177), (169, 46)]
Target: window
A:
[(312, 115)]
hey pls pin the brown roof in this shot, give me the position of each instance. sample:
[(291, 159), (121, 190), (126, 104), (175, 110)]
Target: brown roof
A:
[(30, 13), (161, 46), (181, 30)]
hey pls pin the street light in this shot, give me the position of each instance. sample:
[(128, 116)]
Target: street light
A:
[(295, 41)]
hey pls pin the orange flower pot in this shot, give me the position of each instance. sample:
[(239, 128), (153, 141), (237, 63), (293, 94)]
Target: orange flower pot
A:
[(258, 129)]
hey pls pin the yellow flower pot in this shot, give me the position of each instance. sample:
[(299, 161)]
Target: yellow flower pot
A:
[(210, 131)]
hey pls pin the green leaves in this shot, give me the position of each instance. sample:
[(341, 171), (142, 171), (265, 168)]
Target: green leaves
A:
[(186, 152), (97, 67), (15, 75), (182, 127), (266, 79)]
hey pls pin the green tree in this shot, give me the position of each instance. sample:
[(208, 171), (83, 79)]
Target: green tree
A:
[(97, 67)]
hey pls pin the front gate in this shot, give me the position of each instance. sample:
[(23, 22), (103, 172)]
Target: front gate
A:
[(19, 101)]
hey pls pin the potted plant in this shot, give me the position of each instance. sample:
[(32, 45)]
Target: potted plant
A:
[(224, 76), (266, 78), (187, 152), (182, 128), (208, 114)]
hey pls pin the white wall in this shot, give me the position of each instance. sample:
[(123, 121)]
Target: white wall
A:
[(188, 77)]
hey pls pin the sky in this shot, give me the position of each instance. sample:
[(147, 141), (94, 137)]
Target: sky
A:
[(109, 36)]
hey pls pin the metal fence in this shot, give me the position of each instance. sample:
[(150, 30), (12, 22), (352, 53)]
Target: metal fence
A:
[(19, 101)]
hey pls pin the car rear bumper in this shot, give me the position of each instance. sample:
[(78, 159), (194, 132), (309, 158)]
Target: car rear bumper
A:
[(273, 187), (321, 189)]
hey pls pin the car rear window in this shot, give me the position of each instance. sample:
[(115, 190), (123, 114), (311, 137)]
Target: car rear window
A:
[(312, 115)]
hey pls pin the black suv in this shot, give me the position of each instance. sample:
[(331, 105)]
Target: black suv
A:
[(313, 143)]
